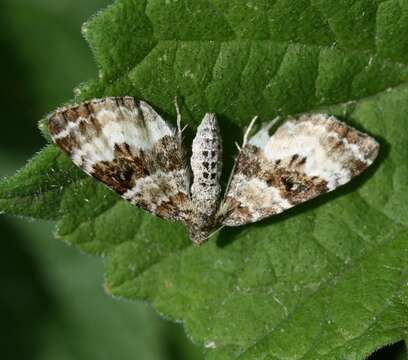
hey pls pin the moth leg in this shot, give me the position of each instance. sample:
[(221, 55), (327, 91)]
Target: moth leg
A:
[(272, 123), (179, 129), (215, 231), (176, 105), (248, 131)]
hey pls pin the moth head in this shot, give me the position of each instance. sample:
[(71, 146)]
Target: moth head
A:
[(209, 123)]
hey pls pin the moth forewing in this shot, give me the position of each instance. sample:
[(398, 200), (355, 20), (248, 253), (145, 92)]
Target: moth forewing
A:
[(304, 158), (130, 148)]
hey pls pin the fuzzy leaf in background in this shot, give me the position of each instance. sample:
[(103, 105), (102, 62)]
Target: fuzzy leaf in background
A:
[(325, 280)]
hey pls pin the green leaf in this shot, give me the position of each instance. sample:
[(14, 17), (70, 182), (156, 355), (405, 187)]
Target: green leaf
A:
[(326, 280)]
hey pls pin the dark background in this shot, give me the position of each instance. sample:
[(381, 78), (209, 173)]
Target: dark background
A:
[(52, 303)]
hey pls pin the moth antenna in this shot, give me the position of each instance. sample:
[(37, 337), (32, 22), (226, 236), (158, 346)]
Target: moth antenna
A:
[(176, 105), (248, 131), (238, 147), (272, 123)]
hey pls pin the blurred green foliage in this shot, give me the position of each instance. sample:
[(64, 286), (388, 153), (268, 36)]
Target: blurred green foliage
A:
[(52, 303)]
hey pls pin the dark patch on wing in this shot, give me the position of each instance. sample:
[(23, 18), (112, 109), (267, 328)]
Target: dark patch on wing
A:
[(237, 213), (67, 143), (60, 120), (122, 173), (74, 126), (174, 208), (288, 177)]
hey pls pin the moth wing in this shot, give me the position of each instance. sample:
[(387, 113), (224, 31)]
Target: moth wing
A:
[(303, 159), (127, 146)]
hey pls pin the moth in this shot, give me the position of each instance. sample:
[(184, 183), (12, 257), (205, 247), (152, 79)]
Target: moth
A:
[(128, 146)]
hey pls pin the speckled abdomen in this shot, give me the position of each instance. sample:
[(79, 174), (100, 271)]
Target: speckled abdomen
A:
[(206, 165)]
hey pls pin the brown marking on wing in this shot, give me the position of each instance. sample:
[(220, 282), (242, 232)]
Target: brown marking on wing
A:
[(347, 135), (287, 176), (67, 144), (152, 177), (357, 167), (241, 214), (168, 154), (122, 173), (175, 207), (58, 121), (119, 174), (352, 150)]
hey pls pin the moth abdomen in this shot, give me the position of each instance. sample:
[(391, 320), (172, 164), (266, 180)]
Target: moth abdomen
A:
[(206, 164)]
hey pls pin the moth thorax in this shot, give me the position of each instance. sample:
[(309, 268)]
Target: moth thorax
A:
[(206, 165)]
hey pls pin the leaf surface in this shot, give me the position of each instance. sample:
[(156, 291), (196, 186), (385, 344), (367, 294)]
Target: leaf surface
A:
[(326, 280)]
